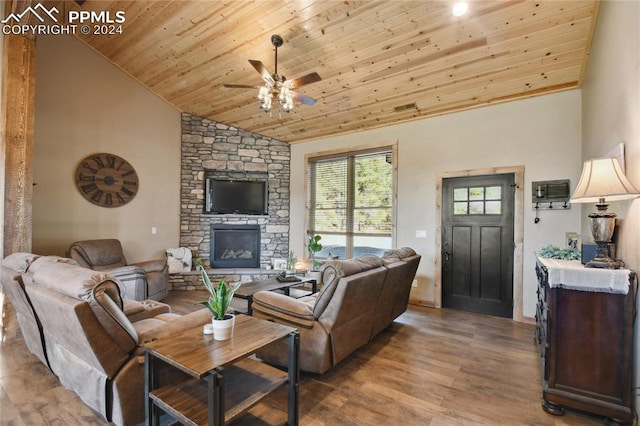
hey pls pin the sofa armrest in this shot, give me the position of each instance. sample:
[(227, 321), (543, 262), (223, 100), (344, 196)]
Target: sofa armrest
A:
[(139, 310), (176, 326), (285, 308), (157, 265), (125, 271), (133, 280)]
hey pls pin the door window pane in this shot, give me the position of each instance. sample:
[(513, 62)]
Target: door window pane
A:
[(476, 193), (461, 208), (477, 200), (476, 207), (460, 194), (493, 193), (493, 207)]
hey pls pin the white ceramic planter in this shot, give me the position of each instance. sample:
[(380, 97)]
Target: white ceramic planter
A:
[(223, 329)]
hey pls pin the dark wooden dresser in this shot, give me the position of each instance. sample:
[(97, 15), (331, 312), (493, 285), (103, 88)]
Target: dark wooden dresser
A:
[(584, 334)]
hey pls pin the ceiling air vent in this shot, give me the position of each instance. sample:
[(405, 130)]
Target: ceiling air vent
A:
[(400, 108)]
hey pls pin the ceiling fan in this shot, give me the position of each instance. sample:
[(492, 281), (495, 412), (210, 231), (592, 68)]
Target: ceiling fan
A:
[(277, 86)]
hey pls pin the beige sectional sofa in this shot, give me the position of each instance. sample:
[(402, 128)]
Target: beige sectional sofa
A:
[(75, 320), (360, 298)]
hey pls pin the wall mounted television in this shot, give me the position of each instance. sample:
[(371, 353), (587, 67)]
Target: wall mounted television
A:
[(227, 196)]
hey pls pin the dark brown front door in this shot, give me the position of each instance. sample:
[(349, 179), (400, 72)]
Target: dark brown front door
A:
[(477, 244)]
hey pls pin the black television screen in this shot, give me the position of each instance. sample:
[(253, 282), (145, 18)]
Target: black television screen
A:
[(235, 196)]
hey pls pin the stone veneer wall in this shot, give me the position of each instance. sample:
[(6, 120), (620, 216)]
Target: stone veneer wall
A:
[(215, 149)]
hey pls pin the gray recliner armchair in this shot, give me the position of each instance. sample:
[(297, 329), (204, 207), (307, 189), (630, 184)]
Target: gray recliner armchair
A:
[(142, 280)]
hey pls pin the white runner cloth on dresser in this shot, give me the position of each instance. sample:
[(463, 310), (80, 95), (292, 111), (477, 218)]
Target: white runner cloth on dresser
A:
[(572, 275)]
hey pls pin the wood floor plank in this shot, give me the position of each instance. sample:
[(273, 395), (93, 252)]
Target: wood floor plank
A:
[(433, 367)]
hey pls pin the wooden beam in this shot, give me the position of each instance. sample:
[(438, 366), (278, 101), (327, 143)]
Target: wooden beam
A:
[(17, 109), (18, 93)]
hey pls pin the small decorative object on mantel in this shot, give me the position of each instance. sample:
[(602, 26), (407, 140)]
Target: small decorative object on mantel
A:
[(218, 303)]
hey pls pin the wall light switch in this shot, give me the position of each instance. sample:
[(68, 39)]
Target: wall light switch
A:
[(421, 234), (154, 230)]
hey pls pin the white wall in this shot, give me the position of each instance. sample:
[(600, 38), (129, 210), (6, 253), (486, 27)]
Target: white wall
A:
[(541, 133), (611, 110), (611, 115), (85, 105)]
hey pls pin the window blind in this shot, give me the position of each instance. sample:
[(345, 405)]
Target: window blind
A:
[(351, 194)]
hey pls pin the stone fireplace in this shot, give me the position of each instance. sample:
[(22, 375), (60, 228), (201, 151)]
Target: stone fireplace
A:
[(221, 151), (235, 246)]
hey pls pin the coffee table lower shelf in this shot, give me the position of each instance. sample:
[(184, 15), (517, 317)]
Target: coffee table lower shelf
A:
[(246, 383)]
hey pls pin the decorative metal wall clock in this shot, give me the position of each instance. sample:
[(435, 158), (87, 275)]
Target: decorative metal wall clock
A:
[(106, 180)]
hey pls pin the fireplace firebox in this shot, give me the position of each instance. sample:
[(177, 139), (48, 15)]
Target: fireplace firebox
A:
[(235, 246)]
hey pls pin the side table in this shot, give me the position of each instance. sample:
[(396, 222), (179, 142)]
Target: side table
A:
[(224, 382)]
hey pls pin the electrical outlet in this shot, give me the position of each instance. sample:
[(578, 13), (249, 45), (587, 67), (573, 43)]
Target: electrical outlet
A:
[(414, 283)]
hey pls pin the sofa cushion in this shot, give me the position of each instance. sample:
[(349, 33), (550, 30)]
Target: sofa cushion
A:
[(19, 262), (397, 255), (100, 254)]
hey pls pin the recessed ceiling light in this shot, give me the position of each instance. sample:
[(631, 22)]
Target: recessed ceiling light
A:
[(460, 8)]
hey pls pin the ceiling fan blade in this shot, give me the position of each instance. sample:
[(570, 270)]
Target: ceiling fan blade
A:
[(240, 86), (262, 70), (303, 98), (309, 78)]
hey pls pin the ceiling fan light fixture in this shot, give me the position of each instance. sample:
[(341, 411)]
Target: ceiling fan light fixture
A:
[(265, 103), (277, 85), (284, 94), (264, 93), (287, 105)]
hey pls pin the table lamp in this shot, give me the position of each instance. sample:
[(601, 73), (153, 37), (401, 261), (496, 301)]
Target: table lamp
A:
[(603, 180)]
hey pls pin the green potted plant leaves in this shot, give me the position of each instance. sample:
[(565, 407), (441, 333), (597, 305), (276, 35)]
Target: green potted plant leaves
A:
[(291, 263), (314, 246), (220, 296)]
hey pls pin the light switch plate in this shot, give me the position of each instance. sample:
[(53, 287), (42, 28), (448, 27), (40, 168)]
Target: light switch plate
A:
[(421, 234)]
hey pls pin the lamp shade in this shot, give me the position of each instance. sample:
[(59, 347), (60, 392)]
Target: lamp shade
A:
[(603, 178)]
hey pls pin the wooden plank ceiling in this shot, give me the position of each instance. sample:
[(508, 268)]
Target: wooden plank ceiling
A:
[(381, 62)]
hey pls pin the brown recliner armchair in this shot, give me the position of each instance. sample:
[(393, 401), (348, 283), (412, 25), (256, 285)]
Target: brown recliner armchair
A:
[(142, 280), (94, 343)]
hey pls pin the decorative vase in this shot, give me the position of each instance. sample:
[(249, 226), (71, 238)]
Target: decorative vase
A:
[(223, 329)]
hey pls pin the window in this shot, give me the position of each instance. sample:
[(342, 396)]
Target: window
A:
[(350, 203), (477, 200)]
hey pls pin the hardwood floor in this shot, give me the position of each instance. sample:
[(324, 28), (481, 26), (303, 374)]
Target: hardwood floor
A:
[(430, 367)]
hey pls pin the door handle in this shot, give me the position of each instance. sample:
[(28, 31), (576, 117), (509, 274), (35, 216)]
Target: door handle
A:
[(445, 256)]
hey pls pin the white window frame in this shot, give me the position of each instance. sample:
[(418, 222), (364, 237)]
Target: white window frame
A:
[(391, 146)]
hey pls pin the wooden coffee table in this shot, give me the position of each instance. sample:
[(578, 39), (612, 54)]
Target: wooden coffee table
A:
[(248, 289), (225, 382)]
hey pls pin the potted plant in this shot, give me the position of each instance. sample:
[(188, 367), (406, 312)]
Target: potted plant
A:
[(314, 246), (220, 296), (291, 263)]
